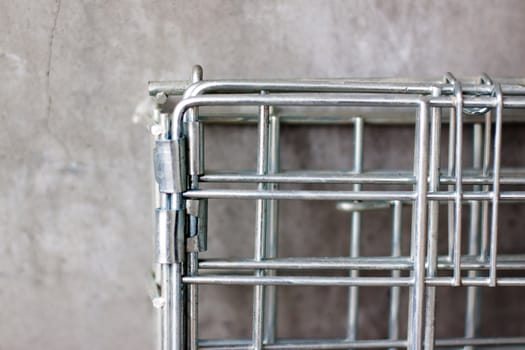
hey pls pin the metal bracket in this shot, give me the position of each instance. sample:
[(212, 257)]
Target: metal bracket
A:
[(169, 161), (199, 210)]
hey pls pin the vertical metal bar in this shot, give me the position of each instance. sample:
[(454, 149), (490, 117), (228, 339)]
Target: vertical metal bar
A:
[(165, 269), (166, 293), (458, 175), (175, 290), (157, 267), (473, 293), (485, 204), (416, 311), (496, 185), (395, 292), (193, 294), (413, 214), (485, 79), (355, 233), (459, 190), (472, 312), (177, 297), (158, 308), (450, 173), (260, 228), (193, 257), (273, 227), (433, 221)]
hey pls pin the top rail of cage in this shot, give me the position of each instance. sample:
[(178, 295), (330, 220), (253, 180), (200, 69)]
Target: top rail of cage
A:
[(509, 86)]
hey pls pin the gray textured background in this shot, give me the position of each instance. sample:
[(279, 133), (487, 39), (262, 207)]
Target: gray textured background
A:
[(75, 204)]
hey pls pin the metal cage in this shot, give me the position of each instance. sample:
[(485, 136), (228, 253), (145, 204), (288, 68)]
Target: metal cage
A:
[(474, 193)]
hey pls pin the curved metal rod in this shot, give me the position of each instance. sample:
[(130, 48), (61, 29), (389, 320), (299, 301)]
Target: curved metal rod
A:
[(383, 100), (484, 80), (288, 100)]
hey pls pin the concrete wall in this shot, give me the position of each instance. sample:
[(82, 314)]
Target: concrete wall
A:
[(75, 204)]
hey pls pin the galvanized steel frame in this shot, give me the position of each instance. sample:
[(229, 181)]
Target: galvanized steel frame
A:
[(181, 205)]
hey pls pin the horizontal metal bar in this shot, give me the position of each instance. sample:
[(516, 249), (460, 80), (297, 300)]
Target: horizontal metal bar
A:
[(303, 344), (497, 341), (335, 177), (514, 196), (302, 195), (504, 262), (239, 344), (298, 280), (329, 85), (508, 177), (477, 281), (347, 281), (509, 196), (168, 87), (337, 117), (368, 263), (364, 100)]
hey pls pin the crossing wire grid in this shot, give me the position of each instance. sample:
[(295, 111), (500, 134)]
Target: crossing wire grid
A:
[(458, 250)]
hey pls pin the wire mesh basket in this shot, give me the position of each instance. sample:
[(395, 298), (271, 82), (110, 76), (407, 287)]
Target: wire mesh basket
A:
[(440, 183)]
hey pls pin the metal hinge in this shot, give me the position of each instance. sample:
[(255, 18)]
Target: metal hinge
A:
[(170, 161)]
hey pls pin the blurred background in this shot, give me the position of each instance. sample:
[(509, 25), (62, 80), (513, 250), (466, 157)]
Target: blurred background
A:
[(75, 209)]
